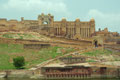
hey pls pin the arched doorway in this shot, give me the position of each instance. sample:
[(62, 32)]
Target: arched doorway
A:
[(45, 22), (96, 43)]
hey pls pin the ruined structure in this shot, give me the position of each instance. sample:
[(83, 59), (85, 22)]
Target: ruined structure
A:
[(77, 67), (80, 70), (47, 26)]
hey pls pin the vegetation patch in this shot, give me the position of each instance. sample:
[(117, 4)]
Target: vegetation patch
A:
[(28, 36), (91, 60), (97, 52), (32, 57)]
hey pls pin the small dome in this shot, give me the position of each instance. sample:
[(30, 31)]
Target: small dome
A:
[(63, 19), (92, 19), (77, 19)]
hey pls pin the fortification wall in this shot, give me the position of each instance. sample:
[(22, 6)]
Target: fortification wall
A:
[(52, 43)]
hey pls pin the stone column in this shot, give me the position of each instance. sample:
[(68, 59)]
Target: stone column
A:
[(88, 32), (57, 31), (85, 32), (82, 32), (70, 32)]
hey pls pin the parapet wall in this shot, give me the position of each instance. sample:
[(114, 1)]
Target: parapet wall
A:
[(52, 43), (36, 46)]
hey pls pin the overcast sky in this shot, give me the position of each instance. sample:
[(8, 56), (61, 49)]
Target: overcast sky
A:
[(105, 12)]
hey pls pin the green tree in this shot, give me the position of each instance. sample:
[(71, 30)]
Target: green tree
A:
[(19, 62)]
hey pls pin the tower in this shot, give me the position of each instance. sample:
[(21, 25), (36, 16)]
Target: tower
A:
[(45, 20), (92, 26)]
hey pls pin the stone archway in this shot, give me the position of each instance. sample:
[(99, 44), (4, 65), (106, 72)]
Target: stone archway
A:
[(45, 22)]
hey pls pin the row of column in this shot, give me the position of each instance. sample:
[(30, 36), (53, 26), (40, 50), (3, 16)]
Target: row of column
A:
[(85, 32), (68, 75), (58, 31), (71, 31)]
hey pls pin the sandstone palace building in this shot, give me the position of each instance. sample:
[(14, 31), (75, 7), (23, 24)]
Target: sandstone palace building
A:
[(46, 25)]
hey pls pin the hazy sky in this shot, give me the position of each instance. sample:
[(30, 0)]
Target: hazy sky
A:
[(105, 12)]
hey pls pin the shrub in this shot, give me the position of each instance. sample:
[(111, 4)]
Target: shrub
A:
[(19, 62)]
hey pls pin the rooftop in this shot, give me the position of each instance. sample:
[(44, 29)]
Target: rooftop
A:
[(62, 65), (68, 65)]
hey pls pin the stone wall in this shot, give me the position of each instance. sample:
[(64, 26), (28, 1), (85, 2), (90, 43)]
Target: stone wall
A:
[(70, 60), (36, 46), (73, 44), (77, 72), (112, 47), (16, 73)]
